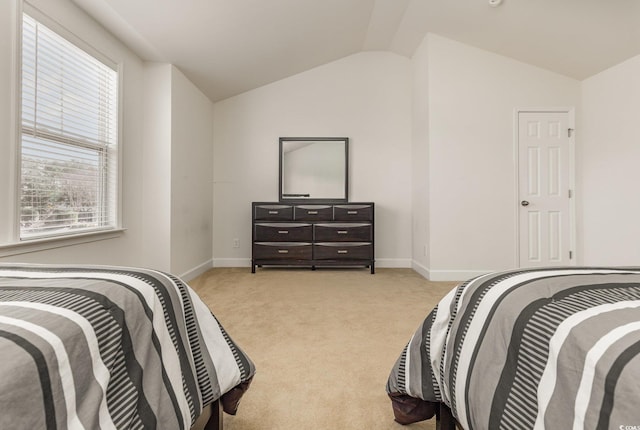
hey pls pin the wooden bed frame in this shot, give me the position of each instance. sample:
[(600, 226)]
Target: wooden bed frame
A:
[(211, 418), (445, 419), (215, 416)]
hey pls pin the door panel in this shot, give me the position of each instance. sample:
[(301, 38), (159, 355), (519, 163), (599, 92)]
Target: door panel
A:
[(544, 172)]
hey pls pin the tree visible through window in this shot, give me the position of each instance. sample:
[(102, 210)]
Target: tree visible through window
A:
[(69, 137)]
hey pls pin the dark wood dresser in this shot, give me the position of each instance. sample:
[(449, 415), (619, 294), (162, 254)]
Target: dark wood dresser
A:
[(314, 235)]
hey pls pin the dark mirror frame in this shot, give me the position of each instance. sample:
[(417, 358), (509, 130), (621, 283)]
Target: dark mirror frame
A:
[(300, 198)]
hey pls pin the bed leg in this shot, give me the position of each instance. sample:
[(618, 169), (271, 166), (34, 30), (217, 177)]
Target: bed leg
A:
[(447, 422), (215, 420)]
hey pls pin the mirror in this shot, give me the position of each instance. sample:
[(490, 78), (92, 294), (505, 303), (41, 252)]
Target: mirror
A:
[(314, 169)]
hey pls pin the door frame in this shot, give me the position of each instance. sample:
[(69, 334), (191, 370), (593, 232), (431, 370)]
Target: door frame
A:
[(571, 120)]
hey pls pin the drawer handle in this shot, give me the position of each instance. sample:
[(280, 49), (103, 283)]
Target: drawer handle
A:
[(352, 212), (342, 232), (283, 251), (283, 231), (342, 251), (312, 212), (273, 212)]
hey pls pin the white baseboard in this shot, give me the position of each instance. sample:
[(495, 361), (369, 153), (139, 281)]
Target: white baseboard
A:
[(393, 263), (446, 275), (197, 271), (455, 275), (388, 263), (422, 270), (231, 262), (380, 262)]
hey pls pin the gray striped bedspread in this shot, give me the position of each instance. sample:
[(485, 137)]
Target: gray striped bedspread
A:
[(110, 348), (548, 348)]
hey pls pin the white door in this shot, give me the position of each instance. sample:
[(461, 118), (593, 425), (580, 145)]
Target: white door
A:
[(545, 222)]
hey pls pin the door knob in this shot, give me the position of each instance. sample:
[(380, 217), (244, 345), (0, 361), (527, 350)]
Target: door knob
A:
[(524, 203)]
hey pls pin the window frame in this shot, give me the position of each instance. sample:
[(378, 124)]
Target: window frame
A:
[(16, 244)]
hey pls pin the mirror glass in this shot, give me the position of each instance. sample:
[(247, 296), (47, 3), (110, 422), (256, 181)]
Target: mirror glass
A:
[(314, 169)]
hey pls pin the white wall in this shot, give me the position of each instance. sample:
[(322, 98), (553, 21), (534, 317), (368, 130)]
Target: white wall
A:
[(609, 156), (7, 118), (472, 95), (128, 247), (156, 185), (177, 170), (420, 160), (163, 116), (191, 177), (447, 113), (366, 97)]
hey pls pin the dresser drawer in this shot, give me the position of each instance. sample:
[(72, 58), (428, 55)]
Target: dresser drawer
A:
[(353, 212), (315, 233), (282, 251), (338, 232), (273, 212), (283, 232), (313, 213), (343, 251)]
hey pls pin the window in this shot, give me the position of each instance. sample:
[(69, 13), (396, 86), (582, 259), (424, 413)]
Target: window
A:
[(69, 143)]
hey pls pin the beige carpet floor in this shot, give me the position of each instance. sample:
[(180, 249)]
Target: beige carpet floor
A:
[(323, 341)]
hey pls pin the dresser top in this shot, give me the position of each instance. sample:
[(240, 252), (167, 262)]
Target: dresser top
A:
[(312, 203)]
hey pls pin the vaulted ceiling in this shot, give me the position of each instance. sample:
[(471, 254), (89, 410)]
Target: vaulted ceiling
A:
[(227, 47)]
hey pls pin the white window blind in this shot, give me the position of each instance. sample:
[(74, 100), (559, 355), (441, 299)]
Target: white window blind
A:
[(69, 137)]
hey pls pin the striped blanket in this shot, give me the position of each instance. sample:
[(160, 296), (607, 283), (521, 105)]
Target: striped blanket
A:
[(110, 348), (554, 348)]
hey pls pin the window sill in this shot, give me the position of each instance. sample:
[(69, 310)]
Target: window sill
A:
[(36, 245)]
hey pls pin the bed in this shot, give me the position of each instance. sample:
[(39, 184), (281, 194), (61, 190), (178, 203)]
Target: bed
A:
[(554, 348), (96, 347)]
